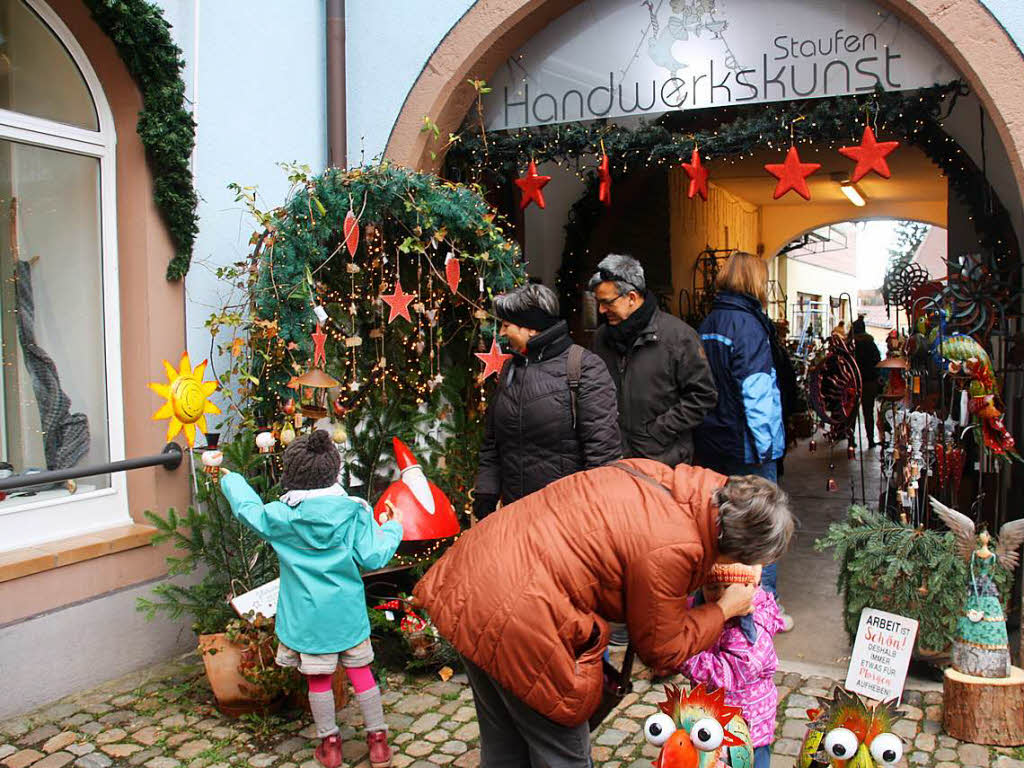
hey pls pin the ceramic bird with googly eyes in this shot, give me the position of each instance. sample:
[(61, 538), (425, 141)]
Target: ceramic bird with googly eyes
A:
[(846, 732), (699, 730)]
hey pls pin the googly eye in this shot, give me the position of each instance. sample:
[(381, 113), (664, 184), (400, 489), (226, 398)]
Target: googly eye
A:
[(841, 743), (887, 748), (707, 735), (658, 728)]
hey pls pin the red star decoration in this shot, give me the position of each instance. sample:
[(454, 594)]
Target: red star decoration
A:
[(870, 155), (493, 360), (698, 176), (319, 339), (604, 191), (532, 184), (399, 302), (792, 175)]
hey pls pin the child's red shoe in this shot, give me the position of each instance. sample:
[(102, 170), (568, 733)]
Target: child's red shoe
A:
[(328, 754), (380, 752)]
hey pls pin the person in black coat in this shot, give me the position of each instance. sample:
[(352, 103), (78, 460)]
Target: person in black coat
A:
[(865, 352), (537, 430)]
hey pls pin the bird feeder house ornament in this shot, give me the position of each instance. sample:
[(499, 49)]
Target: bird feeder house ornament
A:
[(313, 384), (426, 513)]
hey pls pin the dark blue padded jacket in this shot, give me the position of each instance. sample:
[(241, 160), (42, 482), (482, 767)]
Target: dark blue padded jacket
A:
[(746, 424)]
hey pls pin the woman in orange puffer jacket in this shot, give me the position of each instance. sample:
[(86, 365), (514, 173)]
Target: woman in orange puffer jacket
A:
[(526, 596)]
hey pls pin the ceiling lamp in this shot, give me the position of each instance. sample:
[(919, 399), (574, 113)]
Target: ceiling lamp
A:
[(853, 193)]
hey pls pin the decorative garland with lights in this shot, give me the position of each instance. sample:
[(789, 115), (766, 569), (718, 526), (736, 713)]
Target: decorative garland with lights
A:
[(403, 266), (143, 40), (912, 116)]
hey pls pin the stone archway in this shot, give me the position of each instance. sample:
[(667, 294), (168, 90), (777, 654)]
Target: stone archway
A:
[(963, 30)]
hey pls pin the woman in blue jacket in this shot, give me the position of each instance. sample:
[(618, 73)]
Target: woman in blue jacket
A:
[(745, 433)]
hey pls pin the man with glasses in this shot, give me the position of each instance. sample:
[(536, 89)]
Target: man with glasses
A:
[(664, 383)]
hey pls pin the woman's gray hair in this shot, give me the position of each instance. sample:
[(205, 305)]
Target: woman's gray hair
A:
[(755, 522), (526, 297), (626, 272)]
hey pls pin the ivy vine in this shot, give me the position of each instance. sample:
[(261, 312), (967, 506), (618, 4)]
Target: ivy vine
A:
[(143, 40)]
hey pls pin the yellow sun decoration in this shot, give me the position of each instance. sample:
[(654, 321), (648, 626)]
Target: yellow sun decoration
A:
[(187, 399)]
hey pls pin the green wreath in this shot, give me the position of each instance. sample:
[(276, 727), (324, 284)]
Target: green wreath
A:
[(143, 40)]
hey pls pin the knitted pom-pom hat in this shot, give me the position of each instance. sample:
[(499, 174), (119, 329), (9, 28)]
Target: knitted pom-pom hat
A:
[(311, 461), (733, 573)]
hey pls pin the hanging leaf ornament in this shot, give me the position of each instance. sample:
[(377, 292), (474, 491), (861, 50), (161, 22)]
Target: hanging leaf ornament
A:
[(350, 230), (452, 272)]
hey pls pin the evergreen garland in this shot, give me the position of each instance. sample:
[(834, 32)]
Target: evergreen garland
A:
[(908, 571), (143, 40), (914, 117)]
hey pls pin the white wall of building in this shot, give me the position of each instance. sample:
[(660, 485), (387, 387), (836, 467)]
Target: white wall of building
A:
[(256, 76)]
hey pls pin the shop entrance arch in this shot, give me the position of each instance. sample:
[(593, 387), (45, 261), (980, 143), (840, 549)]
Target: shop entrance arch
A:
[(491, 30)]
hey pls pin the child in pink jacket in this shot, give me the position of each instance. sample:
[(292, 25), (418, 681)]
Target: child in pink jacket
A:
[(743, 659)]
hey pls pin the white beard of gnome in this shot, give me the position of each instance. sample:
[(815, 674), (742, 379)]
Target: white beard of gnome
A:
[(412, 475)]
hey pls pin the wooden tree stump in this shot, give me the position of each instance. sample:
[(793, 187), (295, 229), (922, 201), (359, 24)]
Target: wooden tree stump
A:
[(983, 710)]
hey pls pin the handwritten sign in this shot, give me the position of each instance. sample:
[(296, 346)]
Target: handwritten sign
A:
[(261, 600), (881, 655)]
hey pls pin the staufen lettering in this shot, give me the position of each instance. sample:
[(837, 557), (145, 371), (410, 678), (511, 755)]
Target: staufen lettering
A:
[(795, 68)]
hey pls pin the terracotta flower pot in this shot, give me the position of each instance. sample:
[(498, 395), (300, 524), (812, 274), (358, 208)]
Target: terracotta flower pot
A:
[(235, 696)]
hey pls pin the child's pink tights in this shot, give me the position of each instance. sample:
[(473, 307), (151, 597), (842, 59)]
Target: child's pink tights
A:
[(361, 678)]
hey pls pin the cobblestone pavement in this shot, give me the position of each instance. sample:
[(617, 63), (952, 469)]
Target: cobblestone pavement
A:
[(164, 718)]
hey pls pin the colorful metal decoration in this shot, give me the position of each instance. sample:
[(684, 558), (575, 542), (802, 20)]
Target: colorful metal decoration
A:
[(846, 731), (977, 294), (834, 389), (699, 730), (981, 646), (187, 398), (964, 356), (901, 283)]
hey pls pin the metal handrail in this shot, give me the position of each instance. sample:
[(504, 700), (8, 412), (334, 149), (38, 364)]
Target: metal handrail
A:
[(169, 458)]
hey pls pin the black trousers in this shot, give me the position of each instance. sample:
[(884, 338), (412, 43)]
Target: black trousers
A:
[(512, 735)]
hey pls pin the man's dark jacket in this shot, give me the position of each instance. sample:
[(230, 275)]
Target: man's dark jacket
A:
[(530, 440), (665, 388)]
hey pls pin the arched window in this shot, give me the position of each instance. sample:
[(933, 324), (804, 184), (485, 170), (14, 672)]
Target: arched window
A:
[(60, 385)]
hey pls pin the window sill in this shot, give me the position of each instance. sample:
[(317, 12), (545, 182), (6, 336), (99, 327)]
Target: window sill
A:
[(56, 554)]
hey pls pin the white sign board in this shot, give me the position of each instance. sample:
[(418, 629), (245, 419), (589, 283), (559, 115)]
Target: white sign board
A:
[(881, 655), (260, 600), (610, 58)]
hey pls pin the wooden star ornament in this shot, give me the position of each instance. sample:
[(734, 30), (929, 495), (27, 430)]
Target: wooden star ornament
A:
[(870, 155), (792, 175), (398, 302), (698, 174), (604, 175), (493, 359), (531, 184), (319, 339)]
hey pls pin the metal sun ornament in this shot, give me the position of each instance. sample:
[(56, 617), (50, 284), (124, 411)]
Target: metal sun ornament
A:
[(187, 399), (834, 389)]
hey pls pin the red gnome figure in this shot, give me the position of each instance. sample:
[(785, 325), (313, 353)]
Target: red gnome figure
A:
[(426, 512)]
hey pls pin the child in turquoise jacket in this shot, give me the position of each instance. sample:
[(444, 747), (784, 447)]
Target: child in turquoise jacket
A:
[(322, 536)]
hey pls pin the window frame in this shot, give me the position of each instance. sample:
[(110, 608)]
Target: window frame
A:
[(103, 508)]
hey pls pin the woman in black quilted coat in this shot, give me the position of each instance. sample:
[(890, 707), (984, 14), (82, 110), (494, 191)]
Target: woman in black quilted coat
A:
[(554, 410)]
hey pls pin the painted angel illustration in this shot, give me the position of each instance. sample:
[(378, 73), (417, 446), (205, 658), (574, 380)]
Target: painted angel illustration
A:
[(981, 647)]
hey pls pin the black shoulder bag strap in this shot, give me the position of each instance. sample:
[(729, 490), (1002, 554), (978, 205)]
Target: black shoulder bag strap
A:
[(574, 372)]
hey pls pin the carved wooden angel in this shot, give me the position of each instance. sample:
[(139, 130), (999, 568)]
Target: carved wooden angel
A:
[(980, 647)]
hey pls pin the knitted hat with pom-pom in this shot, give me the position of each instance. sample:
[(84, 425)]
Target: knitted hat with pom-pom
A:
[(311, 461)]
